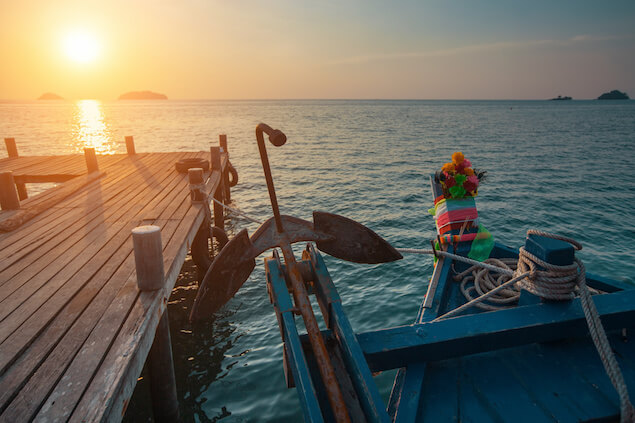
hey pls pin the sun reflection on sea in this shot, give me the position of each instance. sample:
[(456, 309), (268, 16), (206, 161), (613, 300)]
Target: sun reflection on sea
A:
[(90, 129)]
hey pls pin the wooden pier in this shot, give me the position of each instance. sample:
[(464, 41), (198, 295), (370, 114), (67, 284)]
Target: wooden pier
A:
[(75, 330)]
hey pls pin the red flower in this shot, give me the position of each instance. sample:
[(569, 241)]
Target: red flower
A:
[(469, 186), (450, 182)]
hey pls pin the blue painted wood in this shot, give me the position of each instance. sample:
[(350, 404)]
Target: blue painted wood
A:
[(606, 284), (358, 370), (397, 347), (297, 361), (551, 250), (410, 395)]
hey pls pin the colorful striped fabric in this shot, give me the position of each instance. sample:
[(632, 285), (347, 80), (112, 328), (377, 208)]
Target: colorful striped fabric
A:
[(453, 213)]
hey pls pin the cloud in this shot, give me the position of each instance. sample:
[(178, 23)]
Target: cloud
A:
[(474, 48)]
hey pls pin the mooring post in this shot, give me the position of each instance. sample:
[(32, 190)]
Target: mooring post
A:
[(552, 251), (9, 199), (219, 219), (12, 149), (148, 254), (91, 160), (222, 139), (197, 191), (130, 145)]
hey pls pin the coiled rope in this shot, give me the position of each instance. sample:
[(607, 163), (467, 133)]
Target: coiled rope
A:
[(547, 281)]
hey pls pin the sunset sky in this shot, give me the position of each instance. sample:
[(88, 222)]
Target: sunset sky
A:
[(195, 49)]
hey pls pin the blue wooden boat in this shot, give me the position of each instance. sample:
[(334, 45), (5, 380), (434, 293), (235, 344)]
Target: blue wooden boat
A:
[(530, 361)]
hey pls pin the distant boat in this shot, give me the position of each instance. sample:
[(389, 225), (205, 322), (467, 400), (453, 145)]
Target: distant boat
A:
[(614, 95), (561, 98)]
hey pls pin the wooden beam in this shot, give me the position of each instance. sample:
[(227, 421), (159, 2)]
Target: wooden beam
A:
[(464, 335), (91, 160), (130, 145), (9, 199), (12, 149)]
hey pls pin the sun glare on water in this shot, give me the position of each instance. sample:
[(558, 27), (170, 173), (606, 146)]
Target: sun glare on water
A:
[(81, 47)]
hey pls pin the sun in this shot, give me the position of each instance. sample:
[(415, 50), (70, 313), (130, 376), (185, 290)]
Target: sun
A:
[(81, 47)]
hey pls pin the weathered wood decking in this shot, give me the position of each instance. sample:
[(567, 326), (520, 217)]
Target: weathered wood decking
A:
[(74, 328)]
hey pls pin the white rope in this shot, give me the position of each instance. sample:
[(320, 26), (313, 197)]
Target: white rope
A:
[(239, 212), (554, 283)]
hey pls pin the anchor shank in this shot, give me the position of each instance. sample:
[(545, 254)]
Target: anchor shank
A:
[(267, 169), (317, 342)]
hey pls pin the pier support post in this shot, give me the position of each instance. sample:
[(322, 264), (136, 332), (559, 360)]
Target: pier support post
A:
[(12, 149), (222, 139), (195, 178), (91, 160), (130, 145), (219, 218), (9, 199), (149, 265)]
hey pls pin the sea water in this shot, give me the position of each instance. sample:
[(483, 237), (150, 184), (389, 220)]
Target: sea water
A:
[(563, 167)]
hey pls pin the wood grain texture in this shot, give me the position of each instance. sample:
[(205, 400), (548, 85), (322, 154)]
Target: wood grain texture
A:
[(74, 329)]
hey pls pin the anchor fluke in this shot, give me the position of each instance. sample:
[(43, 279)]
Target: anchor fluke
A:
[(229, 271), (352, 241)]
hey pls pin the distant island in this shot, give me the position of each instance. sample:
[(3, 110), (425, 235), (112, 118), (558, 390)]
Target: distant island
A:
[(142, 95), (49, 96), (614, 95), (561, 98)]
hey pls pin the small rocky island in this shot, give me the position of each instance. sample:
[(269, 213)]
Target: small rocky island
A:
[(614, 95), (142, 95), (561, 98), (49, 96)]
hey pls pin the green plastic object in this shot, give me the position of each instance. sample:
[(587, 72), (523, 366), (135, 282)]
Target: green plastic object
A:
[(481, 247)]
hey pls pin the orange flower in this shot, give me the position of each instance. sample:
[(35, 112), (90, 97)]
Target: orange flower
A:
[(448, 167), (469, 171), (458, 157)]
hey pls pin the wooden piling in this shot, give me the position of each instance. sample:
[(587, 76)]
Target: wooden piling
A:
[(91, 160), (195, 177), (222, 139), (148, 254), (165, 403), (12, 149), (130, 145), (9, 199), (219, 218)]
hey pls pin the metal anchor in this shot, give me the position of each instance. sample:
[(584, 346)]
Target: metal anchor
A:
[(333, 234)]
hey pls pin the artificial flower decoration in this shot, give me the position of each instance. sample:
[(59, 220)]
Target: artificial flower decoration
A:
[(458, 178)]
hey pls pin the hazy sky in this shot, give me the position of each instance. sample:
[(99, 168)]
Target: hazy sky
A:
[(320, 49)]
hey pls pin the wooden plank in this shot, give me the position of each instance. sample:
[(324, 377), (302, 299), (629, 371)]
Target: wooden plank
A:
[(60, 193), (360, 374), (88, 247), (122, 364), (47, 223), (85, 321), (118, 211), (66, 343), (37, 234), (397, 347), (38, 364)]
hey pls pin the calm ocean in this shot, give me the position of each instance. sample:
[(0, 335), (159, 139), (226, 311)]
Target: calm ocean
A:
[(563, 167)]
